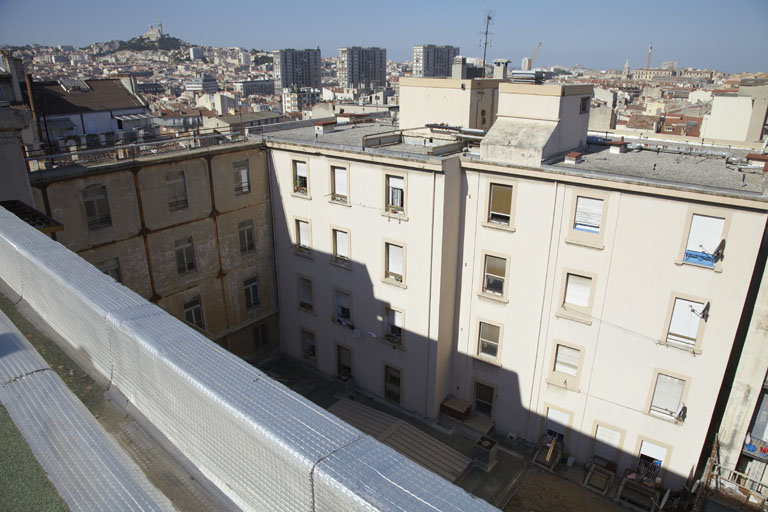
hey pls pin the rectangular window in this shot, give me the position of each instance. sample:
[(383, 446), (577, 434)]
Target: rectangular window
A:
[(308, 345), (705, 244), (193, 313), (242, 177), (686, 320), (500, 204), (340, 245), (495, 272), (483, 403), (96, 207), (339, 177), (260, 335), (305, 294), (607, 443), (302, 234), (185, 255), (589, 214), (394, 325), (557, 423), (394, 264), (395, 194), (176, 188), (343, 362), (668, 395), (392, 384), (111, 267), (300, 181), (577, 291), (584, 105), (567, 360), (489, 340), (343, 305), (651, 459), (251, 289), (245, 233)]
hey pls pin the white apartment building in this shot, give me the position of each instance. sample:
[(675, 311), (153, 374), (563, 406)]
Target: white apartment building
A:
[(363, 68), (597, 302), (431, 60), (298, 99)]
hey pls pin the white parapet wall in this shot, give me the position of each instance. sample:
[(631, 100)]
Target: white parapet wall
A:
[(264, 446)]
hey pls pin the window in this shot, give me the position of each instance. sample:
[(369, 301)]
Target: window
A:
[(251, 289), (495, 272), (343, 362), (193, 313), (394, 263), (392, 384), (556, 424), (607, 443), (483, 403), (112, 269), (577, 292), (394, 330), (685, 323), (706, 244), (308, 345), (185, 255), (339, 182), (96, 207), (305, 294), (651, 458), (395, 194), (340, 246), (668, 395), (589, 214), (245, 233), (584, 105), (488, 344), (567, 360), (176, 188), (302, 236), (500, 204), (260, 335), (242, 178), (343, 307), (300, 181)]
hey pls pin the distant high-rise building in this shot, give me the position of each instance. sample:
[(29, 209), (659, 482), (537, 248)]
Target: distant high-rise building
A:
[(296, 68), (431, 60), (362, 67), (202, 83), (196, 53)]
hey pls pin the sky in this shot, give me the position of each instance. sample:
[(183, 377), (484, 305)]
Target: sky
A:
[(729, 36)]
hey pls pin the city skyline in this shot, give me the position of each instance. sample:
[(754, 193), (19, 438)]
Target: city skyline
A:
[(681, 32)]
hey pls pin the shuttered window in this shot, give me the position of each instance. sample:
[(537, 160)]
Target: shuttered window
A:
[(394, 323), (577, 290), (667, 395), (703, 240), (176, 188), (241, 177), (308, 344), (392, 384), (567, 360), (305, 294), (589, 214), (483, 399), (302, 233), (341, 244), (300, 181), (607, 442), (557, 422), (394, 262), (395, 193), (500, 207), (339, 184), (685, 322)]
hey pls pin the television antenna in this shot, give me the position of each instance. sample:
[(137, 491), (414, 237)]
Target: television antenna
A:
[(489, 15)]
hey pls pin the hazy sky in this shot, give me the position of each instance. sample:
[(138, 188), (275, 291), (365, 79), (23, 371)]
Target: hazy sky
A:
[(730, 35)]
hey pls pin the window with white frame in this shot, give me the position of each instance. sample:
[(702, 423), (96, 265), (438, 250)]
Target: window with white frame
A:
[(306, 301), (300, 179), (589, 214), (302, 235), (251, 289), (176, 189), (705, 245), (242, 177), (567, 360), (667, 395), (185, 255), (341, 246), (577, 291), (96, 207), (395, 194), (308, 345), (111, 267), (556, 423), (488, 343), (494, 274), (394, 325), (394, 263), (245, 233), (500, 204), (339, 181), (193, 313), (685, 322), (392, 384), (343, 307)]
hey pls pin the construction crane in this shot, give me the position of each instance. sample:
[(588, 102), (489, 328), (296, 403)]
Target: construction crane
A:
[(530, 60)]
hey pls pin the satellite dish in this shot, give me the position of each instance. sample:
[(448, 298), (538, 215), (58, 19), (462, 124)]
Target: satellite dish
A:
[(664, 499)]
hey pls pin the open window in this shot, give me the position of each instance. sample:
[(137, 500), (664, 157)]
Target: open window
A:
[(300, 178), (343, 308), (241, 177), (556, 424), (193, 313), (395, 194), (340, 193), (705, 245), (340, 246), (500, 205), (686, 323), (394, 262), (303, 239), (668, 397), (394, 325), (577, 296)]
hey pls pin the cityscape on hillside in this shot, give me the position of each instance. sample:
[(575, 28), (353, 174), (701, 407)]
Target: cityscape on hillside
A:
[(273, 279)]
